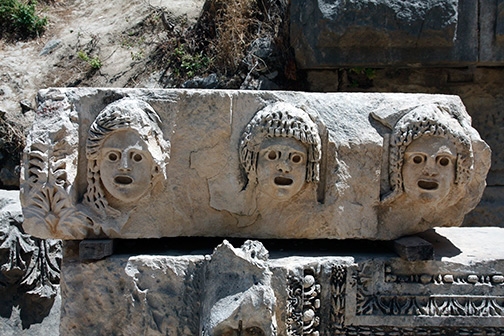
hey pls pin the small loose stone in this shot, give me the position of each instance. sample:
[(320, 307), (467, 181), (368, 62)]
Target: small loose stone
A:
[(390, 278)]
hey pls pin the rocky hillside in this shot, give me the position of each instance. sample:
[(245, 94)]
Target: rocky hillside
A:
[(138, 43)]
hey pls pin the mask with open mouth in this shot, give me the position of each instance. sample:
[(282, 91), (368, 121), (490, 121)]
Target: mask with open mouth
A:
[(281, 167), (429, 168), (126, 166)]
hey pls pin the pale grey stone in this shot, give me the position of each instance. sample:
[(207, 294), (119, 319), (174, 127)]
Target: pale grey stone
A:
[(337, 33), (238, 302), (50, 46), (29, 275), (352, 186)]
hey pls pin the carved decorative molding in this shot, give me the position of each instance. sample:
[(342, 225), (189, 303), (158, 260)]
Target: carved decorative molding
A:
[(370, 303), (48, 208), (338, 287), (423, 331), (495, 279), (303, 304)]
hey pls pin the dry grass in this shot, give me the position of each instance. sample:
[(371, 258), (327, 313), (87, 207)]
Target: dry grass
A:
[(12, 138), (223, 36)]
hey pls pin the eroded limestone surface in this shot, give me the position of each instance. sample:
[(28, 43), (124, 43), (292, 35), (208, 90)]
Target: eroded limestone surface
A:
[(326, 291), (137, 163)]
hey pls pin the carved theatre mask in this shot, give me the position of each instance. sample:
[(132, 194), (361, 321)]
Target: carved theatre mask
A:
[(429, 168), (281, 167), (126, 165)]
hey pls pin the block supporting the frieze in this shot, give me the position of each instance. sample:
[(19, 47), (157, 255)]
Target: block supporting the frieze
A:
[(251, 290)]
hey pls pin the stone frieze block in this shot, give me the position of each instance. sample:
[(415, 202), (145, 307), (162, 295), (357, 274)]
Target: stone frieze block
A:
[(253, 291), (138, 163)]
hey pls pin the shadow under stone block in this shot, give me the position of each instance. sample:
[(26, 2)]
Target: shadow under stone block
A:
[(95, 249)]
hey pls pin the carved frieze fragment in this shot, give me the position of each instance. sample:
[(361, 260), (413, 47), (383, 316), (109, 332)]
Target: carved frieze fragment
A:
[(131, 163)]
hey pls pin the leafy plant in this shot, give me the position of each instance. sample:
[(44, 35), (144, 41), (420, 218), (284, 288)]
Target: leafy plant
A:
[(19, 19), (94, 62), (83, 56), (360, 77), (188, 65)]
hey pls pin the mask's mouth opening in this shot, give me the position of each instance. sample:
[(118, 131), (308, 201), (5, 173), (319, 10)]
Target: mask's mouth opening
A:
[(428, 185), (124, 180), (283, 181)]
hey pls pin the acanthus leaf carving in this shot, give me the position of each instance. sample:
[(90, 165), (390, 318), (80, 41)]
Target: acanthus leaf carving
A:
[(48, 207)]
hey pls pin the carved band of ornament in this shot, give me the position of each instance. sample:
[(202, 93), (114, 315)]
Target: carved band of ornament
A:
[(303, 304), (420, 331), (436, 305), (338, 283), (440, 279)]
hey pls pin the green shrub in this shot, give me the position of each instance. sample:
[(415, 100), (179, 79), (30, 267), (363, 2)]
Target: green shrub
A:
[(94, 62), (19, 19)]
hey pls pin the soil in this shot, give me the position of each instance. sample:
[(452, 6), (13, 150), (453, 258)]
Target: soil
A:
[(120, 34)]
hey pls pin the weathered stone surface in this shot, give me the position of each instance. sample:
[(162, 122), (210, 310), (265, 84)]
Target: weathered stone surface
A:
[(491, 32), (240, 302), (217, 169), (29, 275), (337, 33), (481, 91), (361, 292)]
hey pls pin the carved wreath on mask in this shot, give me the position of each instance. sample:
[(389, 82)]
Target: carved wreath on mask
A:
[(280, 120), (422, 121)]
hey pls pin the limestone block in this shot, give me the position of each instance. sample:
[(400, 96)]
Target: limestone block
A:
[(413, 248), (137, 163), (248, 290), (337, 33), (239, 297), (492, 32)]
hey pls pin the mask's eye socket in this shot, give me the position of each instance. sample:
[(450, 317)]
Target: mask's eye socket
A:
[(137, 157), (272, 155), (417, 159), (296, 158), (113, 157), (444, 161)]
